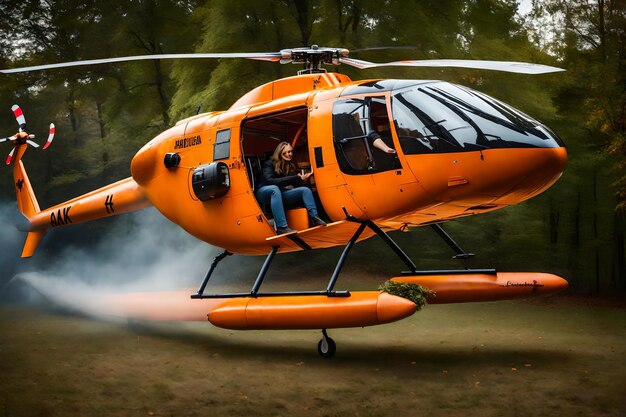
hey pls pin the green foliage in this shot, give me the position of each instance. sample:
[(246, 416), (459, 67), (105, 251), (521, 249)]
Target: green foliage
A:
[(413, 292), (589, 39)]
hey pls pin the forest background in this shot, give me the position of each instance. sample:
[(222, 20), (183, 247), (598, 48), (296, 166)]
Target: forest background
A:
[(105, 113)]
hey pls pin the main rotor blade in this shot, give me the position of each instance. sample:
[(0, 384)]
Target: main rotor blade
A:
[(383, 48), (19, 115), (33, 144), (508, 66), (261, 56), (7, 138)]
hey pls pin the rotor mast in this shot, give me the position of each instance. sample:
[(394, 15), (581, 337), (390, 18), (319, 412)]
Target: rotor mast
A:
[(313, 58)]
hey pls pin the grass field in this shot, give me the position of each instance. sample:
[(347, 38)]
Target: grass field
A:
[(557, 357)]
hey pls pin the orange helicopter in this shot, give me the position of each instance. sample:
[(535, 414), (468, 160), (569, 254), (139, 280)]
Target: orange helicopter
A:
[(456, 152)]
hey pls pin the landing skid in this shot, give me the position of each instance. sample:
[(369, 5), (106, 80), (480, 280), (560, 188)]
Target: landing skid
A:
[(254, 292), (327, 346)]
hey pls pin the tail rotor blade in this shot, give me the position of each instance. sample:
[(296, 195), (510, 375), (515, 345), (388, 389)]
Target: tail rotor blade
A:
[(50, 136), (33, 144), (10, 138), (10, 156), (19, 115)]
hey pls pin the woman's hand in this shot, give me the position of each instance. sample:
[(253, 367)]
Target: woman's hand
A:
[(304, 176), (378, 143)]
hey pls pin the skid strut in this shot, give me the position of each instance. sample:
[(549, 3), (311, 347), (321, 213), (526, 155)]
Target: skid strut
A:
[(460, 253), (205, 281), (255, 291), (326, 346)]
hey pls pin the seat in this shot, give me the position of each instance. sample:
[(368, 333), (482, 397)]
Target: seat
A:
[(254, 167), (297, 217), (353, 155)]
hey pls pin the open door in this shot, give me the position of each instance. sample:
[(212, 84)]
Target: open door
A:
[(260, 136)]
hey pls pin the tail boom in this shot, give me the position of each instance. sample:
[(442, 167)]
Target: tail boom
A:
[(121, 197)]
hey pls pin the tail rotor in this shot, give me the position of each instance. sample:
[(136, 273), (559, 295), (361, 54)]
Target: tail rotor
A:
[(22, 137)]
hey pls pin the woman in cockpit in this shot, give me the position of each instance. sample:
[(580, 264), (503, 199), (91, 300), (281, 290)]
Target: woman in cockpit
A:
[(281, 184)]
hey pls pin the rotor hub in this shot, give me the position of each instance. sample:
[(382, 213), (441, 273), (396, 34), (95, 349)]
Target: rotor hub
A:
[(21, 137), (313, 58)]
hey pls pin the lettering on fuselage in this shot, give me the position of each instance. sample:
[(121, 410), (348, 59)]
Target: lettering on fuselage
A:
[(19, 184), (61, 218), (535, 285), (187, 142), (108, 204)]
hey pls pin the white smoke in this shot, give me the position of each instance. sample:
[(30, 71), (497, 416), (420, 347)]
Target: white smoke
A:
[(11, 240), (66, 292), (142, 252)]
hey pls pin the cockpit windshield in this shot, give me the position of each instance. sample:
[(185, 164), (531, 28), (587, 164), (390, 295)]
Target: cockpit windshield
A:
[(442, 117)]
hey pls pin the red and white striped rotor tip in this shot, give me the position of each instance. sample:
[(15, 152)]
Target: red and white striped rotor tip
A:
[(50, 136), (19, 115), (10, 156)]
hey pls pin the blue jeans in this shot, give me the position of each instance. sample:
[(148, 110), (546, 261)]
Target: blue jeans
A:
[(278, 199)]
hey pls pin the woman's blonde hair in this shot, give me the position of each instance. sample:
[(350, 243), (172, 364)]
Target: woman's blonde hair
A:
[(282, 167)]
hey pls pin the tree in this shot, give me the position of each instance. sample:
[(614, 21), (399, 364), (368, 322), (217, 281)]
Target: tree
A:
[(591, 40), (589, 37)]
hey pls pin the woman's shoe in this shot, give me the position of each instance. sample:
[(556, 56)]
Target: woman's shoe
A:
[(317, 221), (283, 230)]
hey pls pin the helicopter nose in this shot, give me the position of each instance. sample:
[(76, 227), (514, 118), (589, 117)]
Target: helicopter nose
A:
[(486, 180), (532, 171)]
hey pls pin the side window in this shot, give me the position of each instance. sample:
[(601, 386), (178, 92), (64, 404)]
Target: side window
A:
[(357, 122), (221, 149)]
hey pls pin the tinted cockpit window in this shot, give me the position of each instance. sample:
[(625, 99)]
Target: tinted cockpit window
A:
[(357, 124), (442, 117)]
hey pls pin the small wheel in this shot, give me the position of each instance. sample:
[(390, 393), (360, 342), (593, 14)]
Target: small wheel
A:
[(326, 347)]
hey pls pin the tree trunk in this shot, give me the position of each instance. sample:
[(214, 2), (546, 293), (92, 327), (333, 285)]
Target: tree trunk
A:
[(304, 20), (602, 30), (105, 154), (165, 103), (554, 224), (618, 277), (100, 119), (71, 113)]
